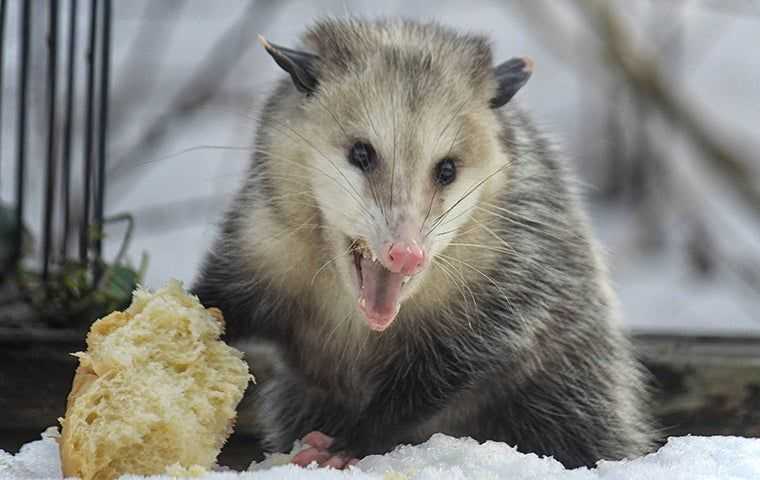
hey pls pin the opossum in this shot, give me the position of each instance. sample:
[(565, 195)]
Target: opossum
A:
[(408, 255)]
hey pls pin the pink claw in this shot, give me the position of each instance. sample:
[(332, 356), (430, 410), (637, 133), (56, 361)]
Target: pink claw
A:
[(337, 462), (318, 452), (305, 457)]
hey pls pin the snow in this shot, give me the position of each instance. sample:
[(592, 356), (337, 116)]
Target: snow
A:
[(682, 458), (36, 460)]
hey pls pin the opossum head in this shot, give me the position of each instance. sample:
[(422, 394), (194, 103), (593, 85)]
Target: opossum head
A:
[(397, 127)]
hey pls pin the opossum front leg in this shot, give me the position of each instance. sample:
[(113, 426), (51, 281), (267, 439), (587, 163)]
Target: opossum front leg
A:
[(406, 399), (409, 390), (400, 404), (286, 407)]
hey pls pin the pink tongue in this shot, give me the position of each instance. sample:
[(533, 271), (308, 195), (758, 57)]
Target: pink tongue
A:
[(380, 294)]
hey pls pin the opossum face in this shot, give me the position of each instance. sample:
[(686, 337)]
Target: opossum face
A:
[(402, 186), (405, 185), (401, 151)]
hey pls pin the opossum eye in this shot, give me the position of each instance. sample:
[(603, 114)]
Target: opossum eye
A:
[(445, 171), (362, 155)]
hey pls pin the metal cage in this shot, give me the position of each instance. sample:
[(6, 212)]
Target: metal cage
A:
[(59, 140), (65, 275)]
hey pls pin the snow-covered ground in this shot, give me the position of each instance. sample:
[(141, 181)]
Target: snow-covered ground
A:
[(442, 457)]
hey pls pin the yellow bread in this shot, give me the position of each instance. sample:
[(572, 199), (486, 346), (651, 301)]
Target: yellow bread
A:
[(156, 387)]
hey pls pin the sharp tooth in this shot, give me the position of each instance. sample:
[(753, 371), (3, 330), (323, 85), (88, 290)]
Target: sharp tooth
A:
[(362, 302), (374, 257)]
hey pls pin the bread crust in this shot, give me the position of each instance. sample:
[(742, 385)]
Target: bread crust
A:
[(103, 375), (71, 461)]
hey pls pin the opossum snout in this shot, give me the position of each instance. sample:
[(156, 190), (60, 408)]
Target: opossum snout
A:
[(402, 257)]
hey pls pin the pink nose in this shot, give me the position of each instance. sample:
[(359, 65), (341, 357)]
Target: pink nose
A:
[(404, 258)]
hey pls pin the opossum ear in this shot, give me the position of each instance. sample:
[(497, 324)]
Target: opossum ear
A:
[(302, 66), (510, 77)]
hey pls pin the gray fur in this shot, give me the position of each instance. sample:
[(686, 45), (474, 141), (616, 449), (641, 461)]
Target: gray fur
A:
[(528, 351)]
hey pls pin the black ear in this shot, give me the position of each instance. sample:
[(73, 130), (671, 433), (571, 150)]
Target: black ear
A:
[(302, 66), (510, 77)]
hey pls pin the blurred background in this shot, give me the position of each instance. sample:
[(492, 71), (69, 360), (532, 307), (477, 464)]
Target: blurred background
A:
[(150, 107)]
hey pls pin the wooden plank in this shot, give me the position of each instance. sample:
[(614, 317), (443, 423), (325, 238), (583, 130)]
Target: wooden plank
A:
[(34, 380), (705, 385)]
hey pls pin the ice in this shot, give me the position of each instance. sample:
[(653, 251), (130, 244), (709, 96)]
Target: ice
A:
[(447, 458)]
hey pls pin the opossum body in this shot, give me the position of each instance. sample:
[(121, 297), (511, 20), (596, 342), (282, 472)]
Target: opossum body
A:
[(407, 256)]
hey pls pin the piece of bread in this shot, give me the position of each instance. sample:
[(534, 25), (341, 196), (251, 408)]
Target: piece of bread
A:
[(156, 387)]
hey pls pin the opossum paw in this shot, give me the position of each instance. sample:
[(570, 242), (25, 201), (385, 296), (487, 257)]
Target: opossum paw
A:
[(319, 451)]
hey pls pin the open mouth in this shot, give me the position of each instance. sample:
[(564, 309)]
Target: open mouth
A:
[(379, 288)]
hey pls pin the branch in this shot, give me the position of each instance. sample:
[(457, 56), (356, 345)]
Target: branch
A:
[(644, 76)]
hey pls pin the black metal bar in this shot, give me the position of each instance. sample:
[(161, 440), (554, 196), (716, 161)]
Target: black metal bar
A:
[(2, 70), (47, 232), (105, 65), (84, 239), (66, 173), (26, 21)]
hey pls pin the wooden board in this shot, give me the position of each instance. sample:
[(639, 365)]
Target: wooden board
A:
[(704, 385)]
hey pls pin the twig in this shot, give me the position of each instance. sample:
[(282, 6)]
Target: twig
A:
[(202, 86)]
